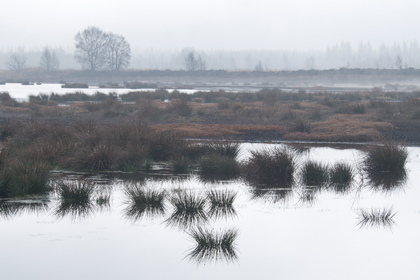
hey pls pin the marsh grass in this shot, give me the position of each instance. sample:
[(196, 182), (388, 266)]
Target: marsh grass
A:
[(189, 210), (273, 168), (20, 178), (180, 164), (12, 208), (215, 167), (213, 246), (271, 195), (315, 174), (221, 203), (385, 166), (341, 177), (144, 202), (75, 198), (376, 217)]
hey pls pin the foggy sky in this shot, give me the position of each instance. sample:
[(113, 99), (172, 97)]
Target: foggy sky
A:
[(211, 24)]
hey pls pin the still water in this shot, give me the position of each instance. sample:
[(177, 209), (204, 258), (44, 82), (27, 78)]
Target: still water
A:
[(276, 239), (21, 92)]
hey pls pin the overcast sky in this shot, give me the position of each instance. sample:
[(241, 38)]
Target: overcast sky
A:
[(212, 24)]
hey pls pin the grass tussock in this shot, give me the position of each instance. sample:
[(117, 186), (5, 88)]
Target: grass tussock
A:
[(341, 177), (385, 165), (75, 198), (315, 174), (142, 202), (212, 246), (189, 210), (20, 178), (215, 167), (221, 203), (376, 217), (272, 168)]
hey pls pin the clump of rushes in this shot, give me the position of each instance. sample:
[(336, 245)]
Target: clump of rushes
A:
[(75, 198), (229, 149), (341, 177), (221, 203), (376, 217), (385, 166), (21, 178), (95, 158), (215, 167), (143, 202), (271, 168), (180, 164), (189, 210), (211, 246), (315, 174), (12, 208)]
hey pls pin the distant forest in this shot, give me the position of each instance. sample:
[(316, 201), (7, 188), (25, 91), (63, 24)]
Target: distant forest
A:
[(344, 55)]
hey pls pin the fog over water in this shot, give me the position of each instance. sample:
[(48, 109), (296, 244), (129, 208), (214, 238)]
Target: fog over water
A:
[(232, 34)]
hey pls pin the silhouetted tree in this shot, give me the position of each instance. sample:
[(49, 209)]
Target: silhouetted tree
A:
[(119, 52), (194, 62), (17, 61), (399, 62), (91, 48), (49, 60)]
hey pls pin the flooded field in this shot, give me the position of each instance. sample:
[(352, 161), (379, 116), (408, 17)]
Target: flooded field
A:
[(365, 232)]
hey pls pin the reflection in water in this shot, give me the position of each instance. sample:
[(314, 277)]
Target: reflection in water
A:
[(269, 194), (75, 198), (376, 218), (308, 195), (221, 203), (10, 208), (144, 202), (388, 181), (211, 246), (189, 210)]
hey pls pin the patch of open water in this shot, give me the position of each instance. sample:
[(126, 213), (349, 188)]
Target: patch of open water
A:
[(277, 239)]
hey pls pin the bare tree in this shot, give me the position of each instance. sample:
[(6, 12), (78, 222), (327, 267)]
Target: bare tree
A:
[(49, 60), (17, 62), (91, 48), (399, 62), (119, 52), (194, 62), (259, 67)]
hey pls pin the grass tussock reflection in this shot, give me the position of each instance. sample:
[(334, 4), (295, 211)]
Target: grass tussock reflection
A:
[(221, 203), (376, 218), (75, 198), (12, 208), (385, 166), (189, 210), (341, 177), (213, 246), (144, 202)]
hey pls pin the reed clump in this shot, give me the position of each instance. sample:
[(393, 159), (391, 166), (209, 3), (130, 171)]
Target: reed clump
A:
[(215, 167), (144, 202), (20, 178), (315, 174), (213, 246), (376, 217), (341, 177), (271, 167), (385, 165), (75, 198), (189, 209), (221, 203)]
